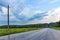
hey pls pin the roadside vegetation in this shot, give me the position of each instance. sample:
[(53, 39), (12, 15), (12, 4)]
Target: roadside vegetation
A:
[(24, 28), (57, 28), (4, 31)]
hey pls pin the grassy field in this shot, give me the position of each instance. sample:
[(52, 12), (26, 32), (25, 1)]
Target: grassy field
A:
[(4, 31), (57, 28)]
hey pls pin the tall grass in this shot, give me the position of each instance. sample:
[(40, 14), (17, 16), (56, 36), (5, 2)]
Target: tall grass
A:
[(57, 28), (4, 31)]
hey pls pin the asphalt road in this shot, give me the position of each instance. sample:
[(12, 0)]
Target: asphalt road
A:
[(44, 34)]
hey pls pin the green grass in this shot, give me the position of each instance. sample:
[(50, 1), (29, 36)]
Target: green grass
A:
[(4, 31), (57, 28)]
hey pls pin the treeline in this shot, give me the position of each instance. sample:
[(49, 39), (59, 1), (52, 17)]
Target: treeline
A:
[(56, 24)]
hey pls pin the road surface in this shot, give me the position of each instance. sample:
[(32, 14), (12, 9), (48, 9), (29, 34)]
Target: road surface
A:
[(44, 34)]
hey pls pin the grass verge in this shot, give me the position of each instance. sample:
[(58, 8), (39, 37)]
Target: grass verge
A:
[(4, 31), (57, 28)]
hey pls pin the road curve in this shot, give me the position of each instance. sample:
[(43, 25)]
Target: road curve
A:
[(44, 34)]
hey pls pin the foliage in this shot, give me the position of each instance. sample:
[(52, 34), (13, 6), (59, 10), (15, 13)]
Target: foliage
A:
[(4, 31)]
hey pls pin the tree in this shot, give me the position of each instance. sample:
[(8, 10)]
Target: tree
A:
[(59, 23)]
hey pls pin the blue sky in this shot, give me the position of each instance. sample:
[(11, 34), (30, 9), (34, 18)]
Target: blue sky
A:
[(30, 11)]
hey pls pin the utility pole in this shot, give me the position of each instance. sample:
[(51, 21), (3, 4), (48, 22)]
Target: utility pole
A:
[(8, 24)]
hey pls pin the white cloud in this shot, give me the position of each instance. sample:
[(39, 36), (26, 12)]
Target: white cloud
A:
[(3, 15), (25, 12), (50, 1), (53, 1), (28, 12), (53, 16), (22, 1), (4, 10), (39, 11)]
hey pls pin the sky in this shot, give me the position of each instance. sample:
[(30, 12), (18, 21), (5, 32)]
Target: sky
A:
[(29, 11)]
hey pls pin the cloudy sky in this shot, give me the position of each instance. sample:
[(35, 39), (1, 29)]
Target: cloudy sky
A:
[(30, 11)]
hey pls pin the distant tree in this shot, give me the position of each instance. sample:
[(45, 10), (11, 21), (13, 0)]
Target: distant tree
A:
[(59, 23)]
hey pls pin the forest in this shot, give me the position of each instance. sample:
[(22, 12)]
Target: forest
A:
[(41, 25)]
